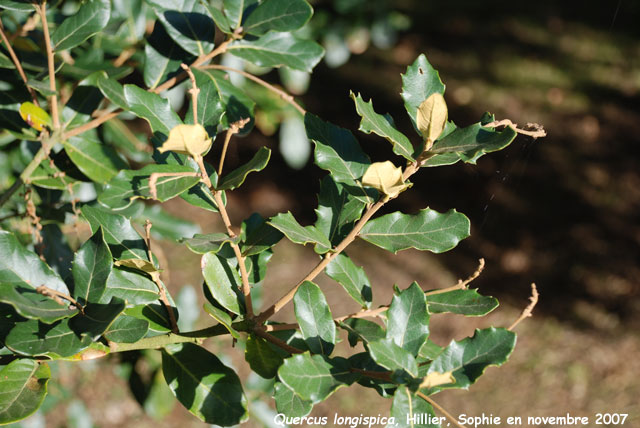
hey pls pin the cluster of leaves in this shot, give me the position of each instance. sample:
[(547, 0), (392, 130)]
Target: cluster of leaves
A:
[(64, 299)]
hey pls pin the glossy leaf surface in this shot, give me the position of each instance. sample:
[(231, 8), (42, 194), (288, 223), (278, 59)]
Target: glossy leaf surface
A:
[(426, 230), (315, 319), (23, 387), (408, 319), (206, 387)]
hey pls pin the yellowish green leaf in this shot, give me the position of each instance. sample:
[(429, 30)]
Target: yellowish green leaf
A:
[(191, 140), (385, 177), (36, 117), (432, 118)]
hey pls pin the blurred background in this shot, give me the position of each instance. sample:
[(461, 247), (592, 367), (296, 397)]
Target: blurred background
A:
[(562, 211)]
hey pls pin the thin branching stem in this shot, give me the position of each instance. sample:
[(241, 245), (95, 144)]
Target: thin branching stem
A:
[(53, 99), (528, 311), (194, 91), (284, 95), (461, 285), (234, 128), (18, 65), (156, 279), (279, 343)]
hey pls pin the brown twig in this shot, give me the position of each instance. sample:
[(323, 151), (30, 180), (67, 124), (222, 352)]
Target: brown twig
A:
[(283, 95), (533, 129), (384, 376), (440, 409), (194, 91), (364, 314), (58, 296), (18, 65), (156, 279), (234, 128), (267, 313), (90, 125), (222, 48), (461, 285), (53, 99), (527, 312), (279, 343)]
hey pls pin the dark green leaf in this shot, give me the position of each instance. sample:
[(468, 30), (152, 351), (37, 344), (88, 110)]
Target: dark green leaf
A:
[(49, 176), (408, 319), (31, 304), (124, 241), (206, 387), (155, 314), (469, 358), (429, 350), (290, 403), (315, 319), (382, 126), (316, 377), (42, 87), (209, 243), (135, 288), (257, 266), (187, 24), (57, 252), (236, 177), (112, 90), (277, 15), (19, 5), (22, 389), (127, 329), (257, 235), (97, 161), (426, 230), (223, 281), (352, 278), (151, 107), (362, 330), (465, 302), (83, 102), (162, 57), (5, 62), (19, 265), (128, 185), (469, 144), (222, 317), (420, 81), (411, 411), (338, 152), (261, 357), (97, 318), (92, 17), (217, 13), (234, 10), (91, 268), (237, 105), (391, 356), (210, 105), (279, 49), (337, 210), (288, 225), (34, 338)]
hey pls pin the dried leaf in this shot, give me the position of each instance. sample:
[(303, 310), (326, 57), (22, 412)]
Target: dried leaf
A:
[(432, 118), (191, 140), (385, 177), (436, 379)]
